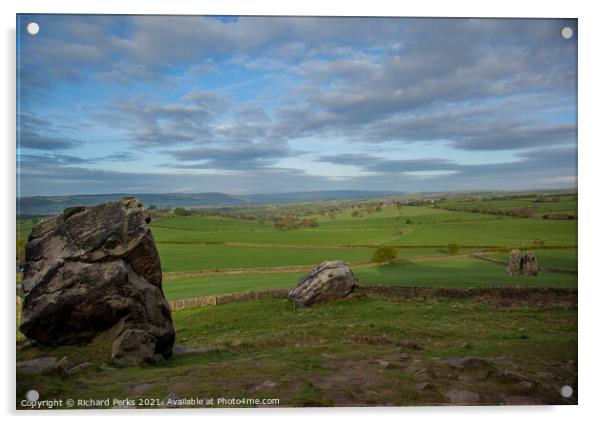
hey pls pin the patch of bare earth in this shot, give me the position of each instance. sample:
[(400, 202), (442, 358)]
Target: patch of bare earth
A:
[(413, 379)]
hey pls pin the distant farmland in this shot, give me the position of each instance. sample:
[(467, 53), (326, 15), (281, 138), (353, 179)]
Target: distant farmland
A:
[(208, 253)]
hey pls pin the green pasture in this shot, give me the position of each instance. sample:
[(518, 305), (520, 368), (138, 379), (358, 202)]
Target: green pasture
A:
[(447, 272), (564, 204), (513, 232), (184, 257), (317, 236), (207, 243)]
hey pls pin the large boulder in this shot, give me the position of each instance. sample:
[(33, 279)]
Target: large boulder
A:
[(522, 263), (94, 270), (330, 280)]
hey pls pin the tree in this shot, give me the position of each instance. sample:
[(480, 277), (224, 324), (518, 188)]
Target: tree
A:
[(384, 254), (180, 212), (308, 223), (152, 207)]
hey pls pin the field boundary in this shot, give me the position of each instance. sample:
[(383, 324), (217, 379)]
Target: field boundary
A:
[(219, 299), (498, 296)]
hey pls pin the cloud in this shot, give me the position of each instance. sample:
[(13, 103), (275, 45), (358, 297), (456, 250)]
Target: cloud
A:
[(529, 166), (37, 133), (211, 94), (242, 157), (54, 160)]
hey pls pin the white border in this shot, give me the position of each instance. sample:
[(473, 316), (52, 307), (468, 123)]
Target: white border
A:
[(589, 192)]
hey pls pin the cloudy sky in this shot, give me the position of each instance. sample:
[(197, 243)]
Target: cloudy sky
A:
[(135, 104)]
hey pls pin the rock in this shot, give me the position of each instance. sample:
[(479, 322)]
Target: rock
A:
[(469, 368), (442, 370), (94, 270), (133, 347), (462, 397), (467, 362), (64, 365), (424, 385), (403, 356), (522, 263), (510, 376), (423, 374), (179, 349), (39, 365), (266, 385), (525, 385), (384, 364), (330, 280), (410, 344), (78, 368)]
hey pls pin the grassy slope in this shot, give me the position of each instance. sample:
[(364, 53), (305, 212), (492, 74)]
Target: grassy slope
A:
[(326, 355)]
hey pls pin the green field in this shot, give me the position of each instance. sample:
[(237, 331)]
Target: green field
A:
[(460, 272), (350, 231), (540, 205)]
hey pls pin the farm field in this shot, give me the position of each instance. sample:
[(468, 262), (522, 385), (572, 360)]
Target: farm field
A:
[(212, 253), (453, 272), (536, 206)]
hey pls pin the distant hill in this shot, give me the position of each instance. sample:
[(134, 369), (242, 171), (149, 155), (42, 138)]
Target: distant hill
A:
[(51, 205)]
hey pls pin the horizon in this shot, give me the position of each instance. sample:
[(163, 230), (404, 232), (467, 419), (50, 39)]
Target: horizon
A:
[(276, 105), (386, 193)]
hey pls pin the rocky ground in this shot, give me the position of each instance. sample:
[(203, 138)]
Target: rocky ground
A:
[(357, 351)]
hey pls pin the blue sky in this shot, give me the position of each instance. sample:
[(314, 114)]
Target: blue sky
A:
[(142, 104)]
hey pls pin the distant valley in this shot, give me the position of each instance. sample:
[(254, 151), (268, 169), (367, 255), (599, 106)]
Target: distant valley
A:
[(51, 205)]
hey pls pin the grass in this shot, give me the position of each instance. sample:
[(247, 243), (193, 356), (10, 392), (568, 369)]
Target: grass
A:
[(206, 286), (313, 356), (184, 257), (328, 354), (318, 236), (566, 203), (453, 272), (460, 272), (208, 243), (499, 232)]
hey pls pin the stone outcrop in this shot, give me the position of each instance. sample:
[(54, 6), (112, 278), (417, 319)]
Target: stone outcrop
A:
[(94, 270), (522, 263), (330, 280)]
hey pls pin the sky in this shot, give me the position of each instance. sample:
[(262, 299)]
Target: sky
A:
[(168, 104)]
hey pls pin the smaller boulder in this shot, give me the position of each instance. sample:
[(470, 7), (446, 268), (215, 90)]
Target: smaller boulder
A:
[(329, 281), (133, 346), (40, 365), (522, 263)]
